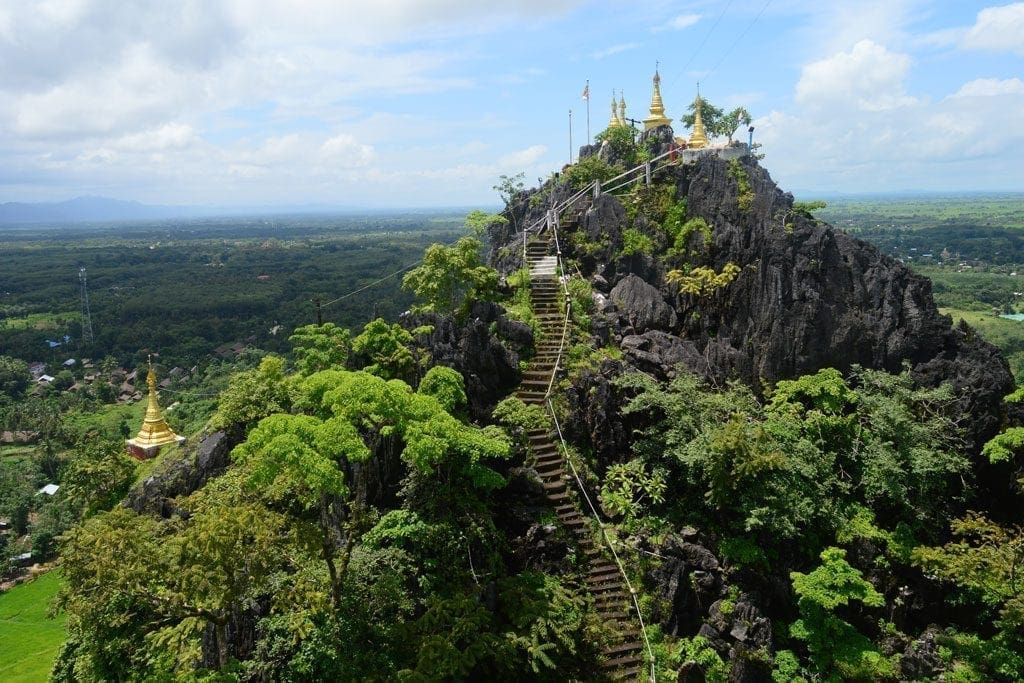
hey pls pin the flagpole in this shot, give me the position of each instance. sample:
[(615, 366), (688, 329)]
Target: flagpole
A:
[(588, 111), (570, 136)]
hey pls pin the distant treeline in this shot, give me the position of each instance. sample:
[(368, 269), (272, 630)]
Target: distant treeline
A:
[(184, 290)]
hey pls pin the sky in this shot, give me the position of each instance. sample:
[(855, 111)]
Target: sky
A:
[(424, 103)]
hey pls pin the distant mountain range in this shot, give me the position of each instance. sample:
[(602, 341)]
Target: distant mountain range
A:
[(104, 209), (91, 209)]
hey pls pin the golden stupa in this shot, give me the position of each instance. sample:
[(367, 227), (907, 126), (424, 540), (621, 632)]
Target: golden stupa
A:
[(657, 117), (622, 110), (155, 431), (698, 138), (614, 121)]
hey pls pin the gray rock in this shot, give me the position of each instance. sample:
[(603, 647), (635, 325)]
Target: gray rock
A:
[(182, 476), (643, 305), (486, 348)]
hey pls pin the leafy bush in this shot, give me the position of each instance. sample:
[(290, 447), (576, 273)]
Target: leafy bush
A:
[(635, 242), (589, 169), (744, 191)]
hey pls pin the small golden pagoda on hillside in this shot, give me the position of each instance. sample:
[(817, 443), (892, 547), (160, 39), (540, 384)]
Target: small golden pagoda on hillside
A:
[(614, 121), (155, 432), (698, 137), (657, 117)]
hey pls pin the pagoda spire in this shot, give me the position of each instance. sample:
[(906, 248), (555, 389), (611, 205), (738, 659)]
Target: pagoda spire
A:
[(155, 431), (614, 121), (657, 117), (698, 137), (622, 110)]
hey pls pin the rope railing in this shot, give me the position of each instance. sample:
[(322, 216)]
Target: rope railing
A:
[(604, 535), (563, 277)]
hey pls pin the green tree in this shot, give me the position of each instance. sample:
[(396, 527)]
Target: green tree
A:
[(252, 395), (98, 476), (447, 386), (320, 347), (386, 350), (987, 561), (838, 650), (710, 115), (730, 121), (509, 188), (478, 221), (14, 376), (450, 278)]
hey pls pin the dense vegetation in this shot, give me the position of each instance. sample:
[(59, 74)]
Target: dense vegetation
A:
[(184, 289), (364, 531)]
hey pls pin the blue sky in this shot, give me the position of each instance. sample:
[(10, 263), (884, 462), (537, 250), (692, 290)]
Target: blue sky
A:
[(398, 103)]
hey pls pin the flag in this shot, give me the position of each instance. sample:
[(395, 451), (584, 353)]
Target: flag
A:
[(586, 91)]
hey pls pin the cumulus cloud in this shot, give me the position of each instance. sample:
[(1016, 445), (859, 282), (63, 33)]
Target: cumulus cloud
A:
[(614, 50), (869, 77), (998, 29), (524, 157), (991, 87), (900, 147), (344, 150)]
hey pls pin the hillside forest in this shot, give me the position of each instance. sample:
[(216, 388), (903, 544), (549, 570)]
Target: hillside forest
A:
[(799, 486)]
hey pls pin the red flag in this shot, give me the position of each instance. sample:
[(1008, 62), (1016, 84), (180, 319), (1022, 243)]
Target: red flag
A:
[(586, 91)]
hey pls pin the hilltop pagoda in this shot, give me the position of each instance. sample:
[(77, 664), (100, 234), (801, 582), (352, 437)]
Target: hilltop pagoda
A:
[(657, 117), (698, 137), (155, 432), (615, 121)]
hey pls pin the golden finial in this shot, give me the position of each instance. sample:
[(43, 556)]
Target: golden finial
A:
[(622, 109), (614, 121), (657, 117), (698, 137), (155, 431)]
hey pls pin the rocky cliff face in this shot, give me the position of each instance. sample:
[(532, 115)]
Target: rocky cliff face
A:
[(806, 297)]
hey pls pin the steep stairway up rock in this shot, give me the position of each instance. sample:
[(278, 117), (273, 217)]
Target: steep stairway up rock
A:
[(624, 659)]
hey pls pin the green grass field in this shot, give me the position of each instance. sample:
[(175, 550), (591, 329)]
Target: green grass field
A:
[(30, 640), (1007, 335)]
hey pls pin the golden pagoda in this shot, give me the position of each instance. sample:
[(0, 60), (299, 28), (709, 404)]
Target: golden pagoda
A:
[(622, 110), (698, 138), (155, 432), (657, 117), (614, 121)]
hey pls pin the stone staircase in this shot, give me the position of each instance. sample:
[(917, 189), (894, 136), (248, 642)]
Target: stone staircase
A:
[(624, 660)]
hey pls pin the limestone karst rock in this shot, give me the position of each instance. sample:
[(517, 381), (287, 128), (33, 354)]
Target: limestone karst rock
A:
[(807, 296)]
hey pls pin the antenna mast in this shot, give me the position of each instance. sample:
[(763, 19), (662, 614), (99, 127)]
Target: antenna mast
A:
[(86, 314)]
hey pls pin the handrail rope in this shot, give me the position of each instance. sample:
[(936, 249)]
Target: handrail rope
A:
[(604, 533), (525, 232), (382, 279), (590, 504), (568, 309)]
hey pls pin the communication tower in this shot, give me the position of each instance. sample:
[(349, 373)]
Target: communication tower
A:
[(86, 315)]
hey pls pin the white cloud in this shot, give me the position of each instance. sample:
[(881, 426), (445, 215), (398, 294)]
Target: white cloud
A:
[(614, 50), (966, 133), (868, 77), (677, 23), (167, 136), (344, 150), (684, 20), (991, 87), (998, 29), (523, 157)]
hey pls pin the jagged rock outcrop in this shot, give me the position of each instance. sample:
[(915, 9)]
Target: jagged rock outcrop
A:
[(806, 297), (687, 581), (181, 476), (642, 305), (486, 348)]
